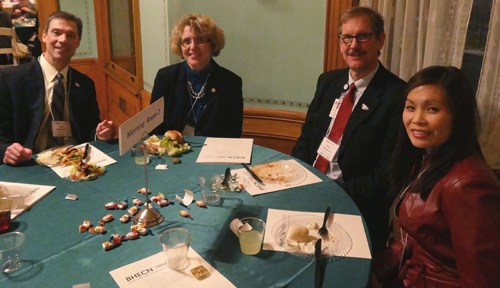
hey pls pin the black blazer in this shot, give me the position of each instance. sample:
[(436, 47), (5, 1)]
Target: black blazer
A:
[(368, 140), (22, 100), (223, 116)]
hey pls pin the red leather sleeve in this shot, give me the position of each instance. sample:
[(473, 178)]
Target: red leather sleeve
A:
[(385, 265), (471, 209)]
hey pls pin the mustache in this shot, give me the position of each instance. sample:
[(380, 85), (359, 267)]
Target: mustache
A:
[(356, 52)]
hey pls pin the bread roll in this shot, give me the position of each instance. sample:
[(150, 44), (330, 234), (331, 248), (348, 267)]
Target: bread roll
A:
[(175, 136)]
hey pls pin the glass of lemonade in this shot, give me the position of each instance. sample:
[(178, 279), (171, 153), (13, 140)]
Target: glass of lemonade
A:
[(250, 234)]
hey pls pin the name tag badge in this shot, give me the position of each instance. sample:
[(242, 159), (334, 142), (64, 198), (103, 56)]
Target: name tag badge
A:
[(328, 149), (61, 129), (335, 109)]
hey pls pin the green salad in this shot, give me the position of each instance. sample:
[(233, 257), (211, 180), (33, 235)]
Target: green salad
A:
[(165, 146)]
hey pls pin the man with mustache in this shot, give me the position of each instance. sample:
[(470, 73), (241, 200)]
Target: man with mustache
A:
[(46, 103), (352, 122)]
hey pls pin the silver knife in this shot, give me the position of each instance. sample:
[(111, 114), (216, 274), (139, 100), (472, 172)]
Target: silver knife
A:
[(253, 174)]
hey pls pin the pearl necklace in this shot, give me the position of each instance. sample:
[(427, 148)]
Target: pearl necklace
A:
[(200, 94)]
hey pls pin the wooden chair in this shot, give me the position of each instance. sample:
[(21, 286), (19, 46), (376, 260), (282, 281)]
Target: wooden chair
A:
[(12, 33)]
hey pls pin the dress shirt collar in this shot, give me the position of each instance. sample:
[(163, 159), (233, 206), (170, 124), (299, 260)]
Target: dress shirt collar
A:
[(362, 83), (50, 71)]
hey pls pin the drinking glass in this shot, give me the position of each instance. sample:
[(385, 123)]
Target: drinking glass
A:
[(140, 158), (250, 235), (10, 251), (210, 188), (5, 208), (175, 244)]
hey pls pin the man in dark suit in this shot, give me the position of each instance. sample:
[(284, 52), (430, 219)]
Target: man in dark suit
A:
[(357, 159), (27, 93)]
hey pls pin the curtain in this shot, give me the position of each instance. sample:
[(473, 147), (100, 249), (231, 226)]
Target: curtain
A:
[(488, 93), (410, 46)]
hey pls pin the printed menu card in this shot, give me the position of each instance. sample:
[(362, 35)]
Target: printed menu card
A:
[(226, 151), (153, 272)]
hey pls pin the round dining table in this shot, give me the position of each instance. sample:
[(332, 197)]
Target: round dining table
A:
[(56, 254)]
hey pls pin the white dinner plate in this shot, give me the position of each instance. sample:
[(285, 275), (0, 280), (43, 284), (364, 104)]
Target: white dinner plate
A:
[(280, 173), (336, 244)]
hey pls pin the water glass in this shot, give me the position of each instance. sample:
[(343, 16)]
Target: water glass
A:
[(175, 244), (10, 251), (251, 234), (210, 188), (140, 158)]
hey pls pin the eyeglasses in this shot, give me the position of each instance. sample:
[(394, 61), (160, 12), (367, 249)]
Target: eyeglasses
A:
[(361, 38), (197, 41)]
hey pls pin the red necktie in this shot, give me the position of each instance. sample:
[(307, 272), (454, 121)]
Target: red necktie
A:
[(338, 126)]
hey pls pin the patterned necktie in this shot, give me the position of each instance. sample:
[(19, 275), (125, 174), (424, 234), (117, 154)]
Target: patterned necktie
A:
[(58, 96), (57, 108), (338, 126)]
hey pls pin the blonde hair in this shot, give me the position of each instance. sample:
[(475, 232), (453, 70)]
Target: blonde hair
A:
[(203, 26)]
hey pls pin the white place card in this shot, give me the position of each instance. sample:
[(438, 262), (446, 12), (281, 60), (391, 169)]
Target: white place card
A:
[(142, 123), (153, 272), (226, 151), (25, 195)]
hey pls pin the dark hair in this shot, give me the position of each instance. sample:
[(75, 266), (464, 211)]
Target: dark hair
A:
[(66, 16), (377, 21), (407, 160)]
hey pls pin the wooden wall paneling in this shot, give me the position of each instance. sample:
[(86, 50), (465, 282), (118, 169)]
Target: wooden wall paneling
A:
[(145, 98), (102, 34), (45, 8), (332, 56), (90, 67), (123, 104), (275, 129)]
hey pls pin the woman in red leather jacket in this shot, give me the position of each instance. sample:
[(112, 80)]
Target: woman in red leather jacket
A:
[(449, 197)]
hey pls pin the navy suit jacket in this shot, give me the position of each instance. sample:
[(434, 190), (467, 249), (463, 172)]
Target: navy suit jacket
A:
[(368, 140), (223, 116), (22, 100)]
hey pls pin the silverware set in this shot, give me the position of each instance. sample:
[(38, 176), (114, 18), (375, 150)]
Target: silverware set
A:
[(318, 273)]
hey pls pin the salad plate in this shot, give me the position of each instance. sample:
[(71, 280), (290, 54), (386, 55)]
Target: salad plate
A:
[(165, 146), (59, 156), (89, 171)]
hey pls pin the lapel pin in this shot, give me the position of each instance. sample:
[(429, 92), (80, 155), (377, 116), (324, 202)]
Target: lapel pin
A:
[(77, 85), (346, 86), (364, 107), (213, 90)]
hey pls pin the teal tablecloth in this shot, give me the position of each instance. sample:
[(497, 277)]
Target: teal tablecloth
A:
[(60, 256)]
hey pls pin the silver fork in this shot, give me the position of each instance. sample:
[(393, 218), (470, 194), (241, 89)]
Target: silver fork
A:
[(323, 230)]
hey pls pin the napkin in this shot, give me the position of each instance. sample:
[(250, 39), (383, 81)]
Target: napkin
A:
[(188, 198)]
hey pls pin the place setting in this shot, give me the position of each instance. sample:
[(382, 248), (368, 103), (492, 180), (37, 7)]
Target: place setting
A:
[(82, 162), (297, 232), (275, 176)]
